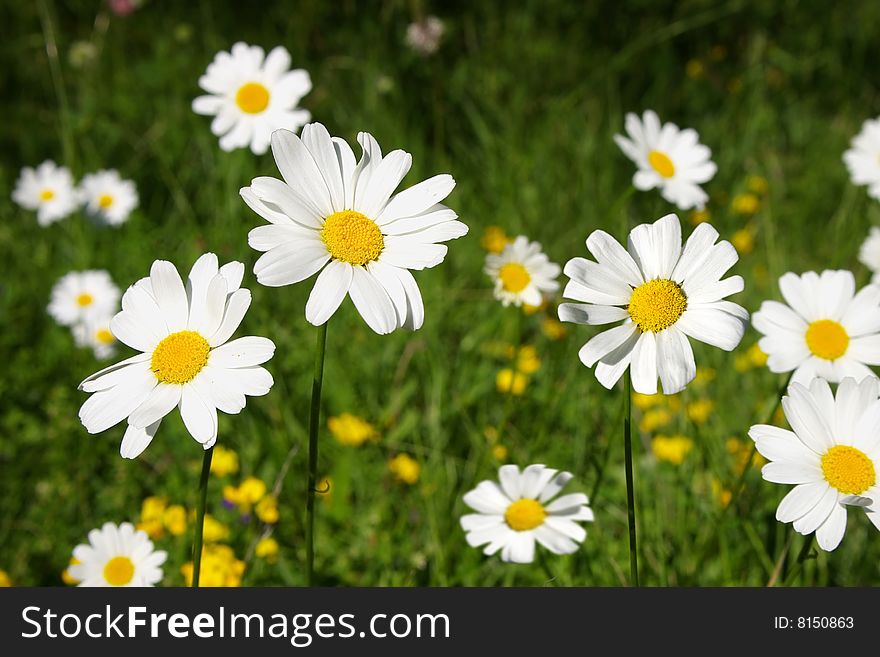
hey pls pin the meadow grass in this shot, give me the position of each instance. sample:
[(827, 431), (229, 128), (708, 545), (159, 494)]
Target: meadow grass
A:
[(520, 105)]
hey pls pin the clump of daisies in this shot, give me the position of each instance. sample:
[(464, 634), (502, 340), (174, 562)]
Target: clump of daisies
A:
[(251, 94), (523, 509), (85, 301), (117, 555), (825, 328), (47, 189), (522, 273), (863, 158), (667, 158), (107, 197), (831, 456)]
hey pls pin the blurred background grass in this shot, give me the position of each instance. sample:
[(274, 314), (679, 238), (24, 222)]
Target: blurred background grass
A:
[(520, 104)]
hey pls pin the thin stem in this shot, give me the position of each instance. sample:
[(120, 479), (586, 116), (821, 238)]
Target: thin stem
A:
[(200, 516), (630, 496), (798, 566), (312, 480), (57, 82), (551, 578)]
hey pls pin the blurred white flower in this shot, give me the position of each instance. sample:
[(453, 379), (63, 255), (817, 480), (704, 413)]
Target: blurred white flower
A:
[(108, 197), (869, 254), (424, 36), (80, 296), (48, 189), (117, 555), (863, 158), (522, 273), (95, 334)]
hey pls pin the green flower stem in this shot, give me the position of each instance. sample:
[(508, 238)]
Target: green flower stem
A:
[(312, 480), (630, 496), (200, 516)]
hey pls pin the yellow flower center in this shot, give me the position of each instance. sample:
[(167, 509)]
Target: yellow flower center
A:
[(252, 98), (84, 299), (656, 305), (119, 571), (848, 469), (47, 195), (514, 277), (353, 238), (661, 163), (104, 336), (827, 339), (179, 357), (524, 515), (105, 201)]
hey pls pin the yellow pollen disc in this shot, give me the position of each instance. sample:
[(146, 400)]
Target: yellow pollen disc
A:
[(848, 469), (179, 357), (47, 195), (104, 336), (656, 305), (661, 163), (105, 201), (119, 571), (524, 515), (514, 277), (353, 238), (827, 339), (84, 299), (252, 98)]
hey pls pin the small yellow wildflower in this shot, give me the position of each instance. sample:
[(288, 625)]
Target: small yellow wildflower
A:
[(527, 361), (494, 239), (224, 462), (174, 519), (742, 453), (5, 580), (267, 509), (214, 530), (672, 449), (744, 240), (757, 357), (745, 204), (499, 452), (722, 494), (694, 69), (655, 419), (405, 469), (509, 381), (673, 402), (700, 410), (152, 512), (757, 184), (704, 375), (533, 310), (267, 548), (644, 402), (491, 434), (699, 216), (553, 328), (351, 430), (219, 567), (153, 527)]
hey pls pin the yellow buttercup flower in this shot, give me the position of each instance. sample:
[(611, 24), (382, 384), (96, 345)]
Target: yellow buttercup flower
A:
[(351, 430), (704, 375), (152, 512), (494, 239), (722, 494), (153, 527), (700, 410), (745, 204), (267, 509), (756, 356), (672, 449), (741, 453), (553, 328), (220, 567), (5, 580), (214, 530), (757, 184), (644, 402), (743, 240), (174, 519), (527, 361), (267, 548), (654, 419), (499, 452), (511, 382), (405, 469), (224, 462)]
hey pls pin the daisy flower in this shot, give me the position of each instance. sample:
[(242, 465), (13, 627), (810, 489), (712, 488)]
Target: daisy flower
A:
[(117, 555), (250, 96), (512, 516), (663, 293), (826, 329), (342, 218), (522, 273), (832, 456), (185, 360), (48, 189), (668, 158), (96, 335), (108, 197), (869, 254), (81, 296), (863, 158)]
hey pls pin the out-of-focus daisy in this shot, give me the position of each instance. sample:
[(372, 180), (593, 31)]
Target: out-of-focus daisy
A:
[(663, 293), (186, 358), (95, 334), (869, 254), (826, 330), (117, 555), (832, 456), (83, 296), (108, 197), (863, 157), (251, 95), (424, 36), (342, 218), (522, 273), (522, 510), (668, 158), (48, 189)]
